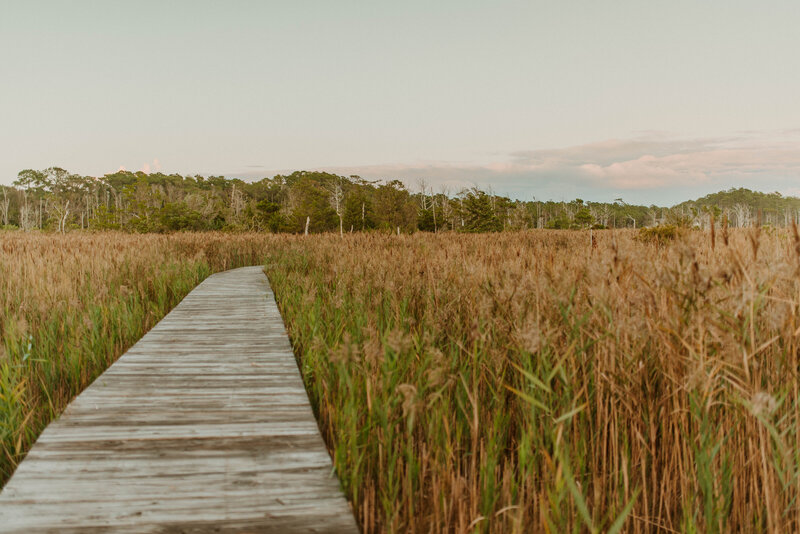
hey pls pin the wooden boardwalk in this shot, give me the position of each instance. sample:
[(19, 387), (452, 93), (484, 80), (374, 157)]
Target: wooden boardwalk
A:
[(203, 426)]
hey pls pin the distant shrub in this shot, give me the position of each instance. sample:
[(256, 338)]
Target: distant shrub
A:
[(660, 235)]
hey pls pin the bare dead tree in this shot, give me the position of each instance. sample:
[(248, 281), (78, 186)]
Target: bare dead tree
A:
[(423, 188), (743, 215), (4, 204), (447, 210), (25, 212), (336, 193), (62, 212), (237, 203)]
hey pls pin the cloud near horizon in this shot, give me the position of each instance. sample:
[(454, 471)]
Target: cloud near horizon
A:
[(146, 167), (654, 169)]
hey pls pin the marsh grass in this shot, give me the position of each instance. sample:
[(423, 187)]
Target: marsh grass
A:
[(526, 382), (70, 305), (514, 382)]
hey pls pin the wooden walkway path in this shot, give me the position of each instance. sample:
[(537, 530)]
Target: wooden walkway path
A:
[(203, 426)]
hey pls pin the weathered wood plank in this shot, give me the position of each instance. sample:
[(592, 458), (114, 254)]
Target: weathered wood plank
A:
[(203, 426)]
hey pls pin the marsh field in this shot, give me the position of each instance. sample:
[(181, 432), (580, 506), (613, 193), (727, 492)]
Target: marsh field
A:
[(535, 381)]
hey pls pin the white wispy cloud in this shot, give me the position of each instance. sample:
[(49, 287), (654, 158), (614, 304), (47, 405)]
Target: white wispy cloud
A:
[(147, 167), (652, 168)]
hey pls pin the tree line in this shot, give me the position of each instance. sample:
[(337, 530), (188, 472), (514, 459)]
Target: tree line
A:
[(312, 202)]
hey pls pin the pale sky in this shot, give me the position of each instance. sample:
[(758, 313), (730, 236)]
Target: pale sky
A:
[(651, 101)]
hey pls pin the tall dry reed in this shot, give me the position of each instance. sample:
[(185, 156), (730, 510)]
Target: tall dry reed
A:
[(70, 305), (521, 382), (530, 382)]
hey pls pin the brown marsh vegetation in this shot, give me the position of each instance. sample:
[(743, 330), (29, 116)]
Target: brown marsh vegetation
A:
[(518, 382), (531, 382), (70, 305)]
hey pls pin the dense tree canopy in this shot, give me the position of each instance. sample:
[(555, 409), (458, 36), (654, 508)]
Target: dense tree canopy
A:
[(57, 200)]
